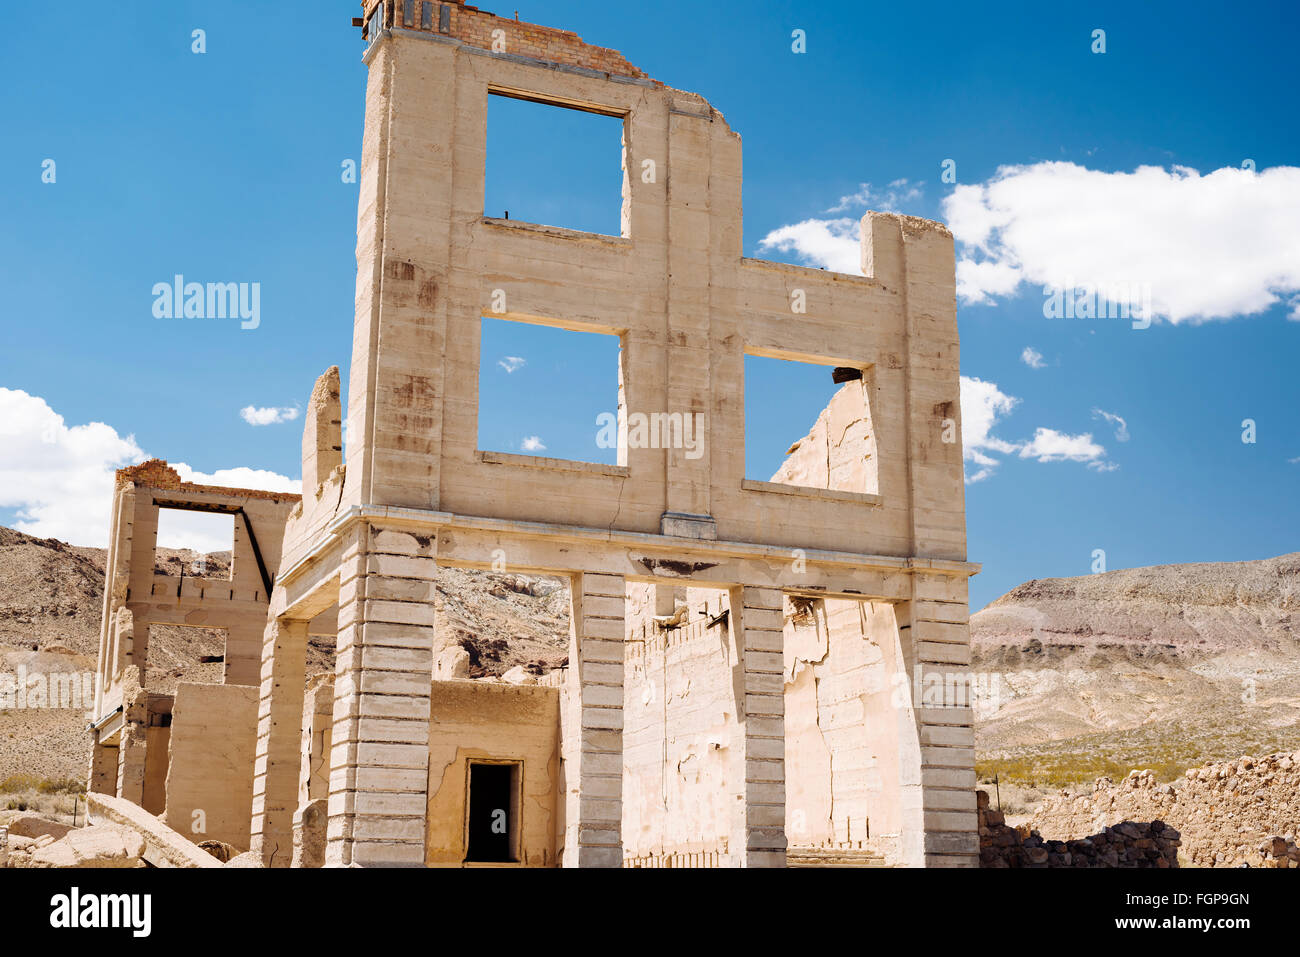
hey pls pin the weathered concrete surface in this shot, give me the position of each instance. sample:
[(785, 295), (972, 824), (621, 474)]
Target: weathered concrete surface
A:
[(210, 772)]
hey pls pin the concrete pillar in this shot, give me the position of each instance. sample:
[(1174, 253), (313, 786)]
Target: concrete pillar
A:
[(593, 744), (102, 778), (131, 751), (243, 653), (937, 740), (279, 719), (379, 751), (758, 827)]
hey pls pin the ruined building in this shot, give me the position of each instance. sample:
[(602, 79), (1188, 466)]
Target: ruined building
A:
[(760, 673)]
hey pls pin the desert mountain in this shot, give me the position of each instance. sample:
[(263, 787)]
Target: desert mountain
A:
[(1160, 667)]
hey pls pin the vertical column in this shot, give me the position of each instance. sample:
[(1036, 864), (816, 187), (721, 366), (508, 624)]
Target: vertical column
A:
[(244, 641), (758, 829), (103, 769), (279, 726), (131, 746), (688, 280), (940, 822), (131, 754), (379, 749), (593, 746)]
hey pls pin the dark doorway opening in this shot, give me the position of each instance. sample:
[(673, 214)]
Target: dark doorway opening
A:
[(492, 813)]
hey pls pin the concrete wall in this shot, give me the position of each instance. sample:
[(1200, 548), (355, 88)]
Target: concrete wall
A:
[(236, 604), (213, 737), (688, 307), (841, 738), (430, 264), (317, 725), (155, 769), (680, 785), (839, 451), (486, 720)]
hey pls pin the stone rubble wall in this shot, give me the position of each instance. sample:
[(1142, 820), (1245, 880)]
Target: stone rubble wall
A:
[(1233, 813), (1127, 844)]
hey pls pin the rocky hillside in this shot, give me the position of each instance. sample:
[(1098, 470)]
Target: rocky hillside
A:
[(1162, 667), (51, 598)]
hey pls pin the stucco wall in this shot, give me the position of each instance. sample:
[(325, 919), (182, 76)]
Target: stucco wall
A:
[(499, 722)]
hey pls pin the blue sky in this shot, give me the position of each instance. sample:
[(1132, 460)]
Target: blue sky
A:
[(226, 166)]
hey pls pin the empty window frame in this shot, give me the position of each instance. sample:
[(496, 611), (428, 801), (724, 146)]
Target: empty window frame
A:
[(548, 392), (809, 425), (554, 165), (194, 544)]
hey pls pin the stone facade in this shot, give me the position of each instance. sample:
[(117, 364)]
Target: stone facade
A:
[(1126, 844), (876, 546), (1229, 813)]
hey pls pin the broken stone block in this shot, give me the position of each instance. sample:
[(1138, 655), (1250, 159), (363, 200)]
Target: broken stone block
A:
[(454, 662), (518, 675), (309, 834), (101, 845), (33, 826)]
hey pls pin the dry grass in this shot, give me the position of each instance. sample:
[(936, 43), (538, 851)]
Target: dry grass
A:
[(57, 799), (1167, 749)]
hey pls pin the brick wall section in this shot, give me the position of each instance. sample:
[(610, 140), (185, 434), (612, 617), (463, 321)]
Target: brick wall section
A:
[(475, 27)]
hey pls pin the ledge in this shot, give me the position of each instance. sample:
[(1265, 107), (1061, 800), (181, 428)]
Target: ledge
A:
[(770, 265), (428, 519), (820, 494), (553, 465), (558, 232)]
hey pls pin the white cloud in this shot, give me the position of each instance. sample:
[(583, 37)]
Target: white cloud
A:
[(532, 443), (833, 244), (1049, 445), (511, 363), (1121, 427), (59, 478), (1215, 246), (269, 415), (984, 405), (1032, 358), (241, 477), (889, 200)]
